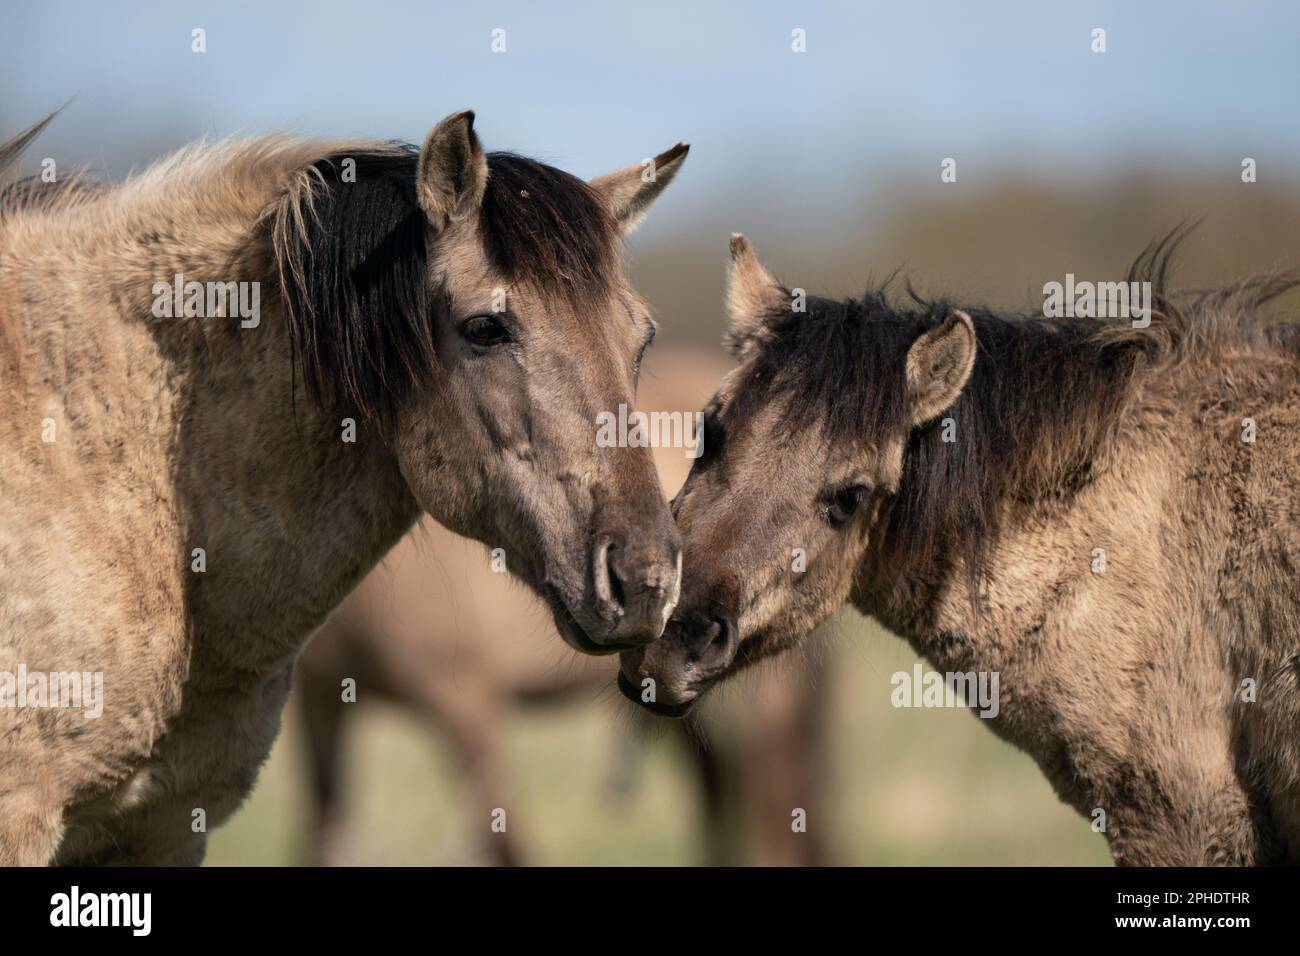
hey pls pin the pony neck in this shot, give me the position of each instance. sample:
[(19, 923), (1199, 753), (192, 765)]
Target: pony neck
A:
[(294, 505), (290, 505)]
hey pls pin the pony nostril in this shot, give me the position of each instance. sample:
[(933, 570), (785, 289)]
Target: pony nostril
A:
[(718, 644), (635, 589), (616, 591), (609, 586), (714, 632)]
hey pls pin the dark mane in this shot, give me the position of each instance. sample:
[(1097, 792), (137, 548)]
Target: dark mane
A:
[(1032, 424), (542, 226), (353, 260)]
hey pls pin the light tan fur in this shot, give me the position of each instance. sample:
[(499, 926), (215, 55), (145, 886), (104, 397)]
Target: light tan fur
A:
[(177, 434)]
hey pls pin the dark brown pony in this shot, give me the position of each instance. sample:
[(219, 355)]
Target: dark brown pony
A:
[(1105, 517)]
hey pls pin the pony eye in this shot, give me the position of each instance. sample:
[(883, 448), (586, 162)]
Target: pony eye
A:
[(485, 331), (844, 504), (636, 366)]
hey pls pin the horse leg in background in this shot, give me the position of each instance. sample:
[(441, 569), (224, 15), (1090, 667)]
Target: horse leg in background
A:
[(716, 781), (321, 705), (475, 730), (714, 775), (786, 762)]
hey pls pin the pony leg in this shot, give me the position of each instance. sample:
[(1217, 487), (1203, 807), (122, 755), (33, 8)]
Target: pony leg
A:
[(322, 720), (1211, 828), (31, 827), (476, 738), (712, 778), (786, 761)]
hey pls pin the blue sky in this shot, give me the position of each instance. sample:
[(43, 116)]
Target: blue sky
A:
[(600, 84), (814, 142)]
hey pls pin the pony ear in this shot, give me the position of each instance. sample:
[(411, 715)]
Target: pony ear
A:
[(939, 365), (627, 192), (452, 172), (753, 295)]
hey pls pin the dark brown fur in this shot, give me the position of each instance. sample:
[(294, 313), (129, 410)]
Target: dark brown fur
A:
[(1123, 679)]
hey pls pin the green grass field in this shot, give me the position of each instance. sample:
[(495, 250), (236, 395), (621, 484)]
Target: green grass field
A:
[(904, 787)]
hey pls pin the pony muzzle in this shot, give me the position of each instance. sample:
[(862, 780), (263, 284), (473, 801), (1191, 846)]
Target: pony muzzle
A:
[(669, 675), (636, 589)]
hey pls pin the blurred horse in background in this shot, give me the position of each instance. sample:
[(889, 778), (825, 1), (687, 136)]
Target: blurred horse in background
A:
[(435, 630)]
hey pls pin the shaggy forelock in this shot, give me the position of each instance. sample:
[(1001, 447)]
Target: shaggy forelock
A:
[(1033, 422), (545, 228), (353, 257), (836, 370)]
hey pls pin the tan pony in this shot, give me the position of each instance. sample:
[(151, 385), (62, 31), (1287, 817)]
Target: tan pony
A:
[(230, 384), (1106, 517)]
